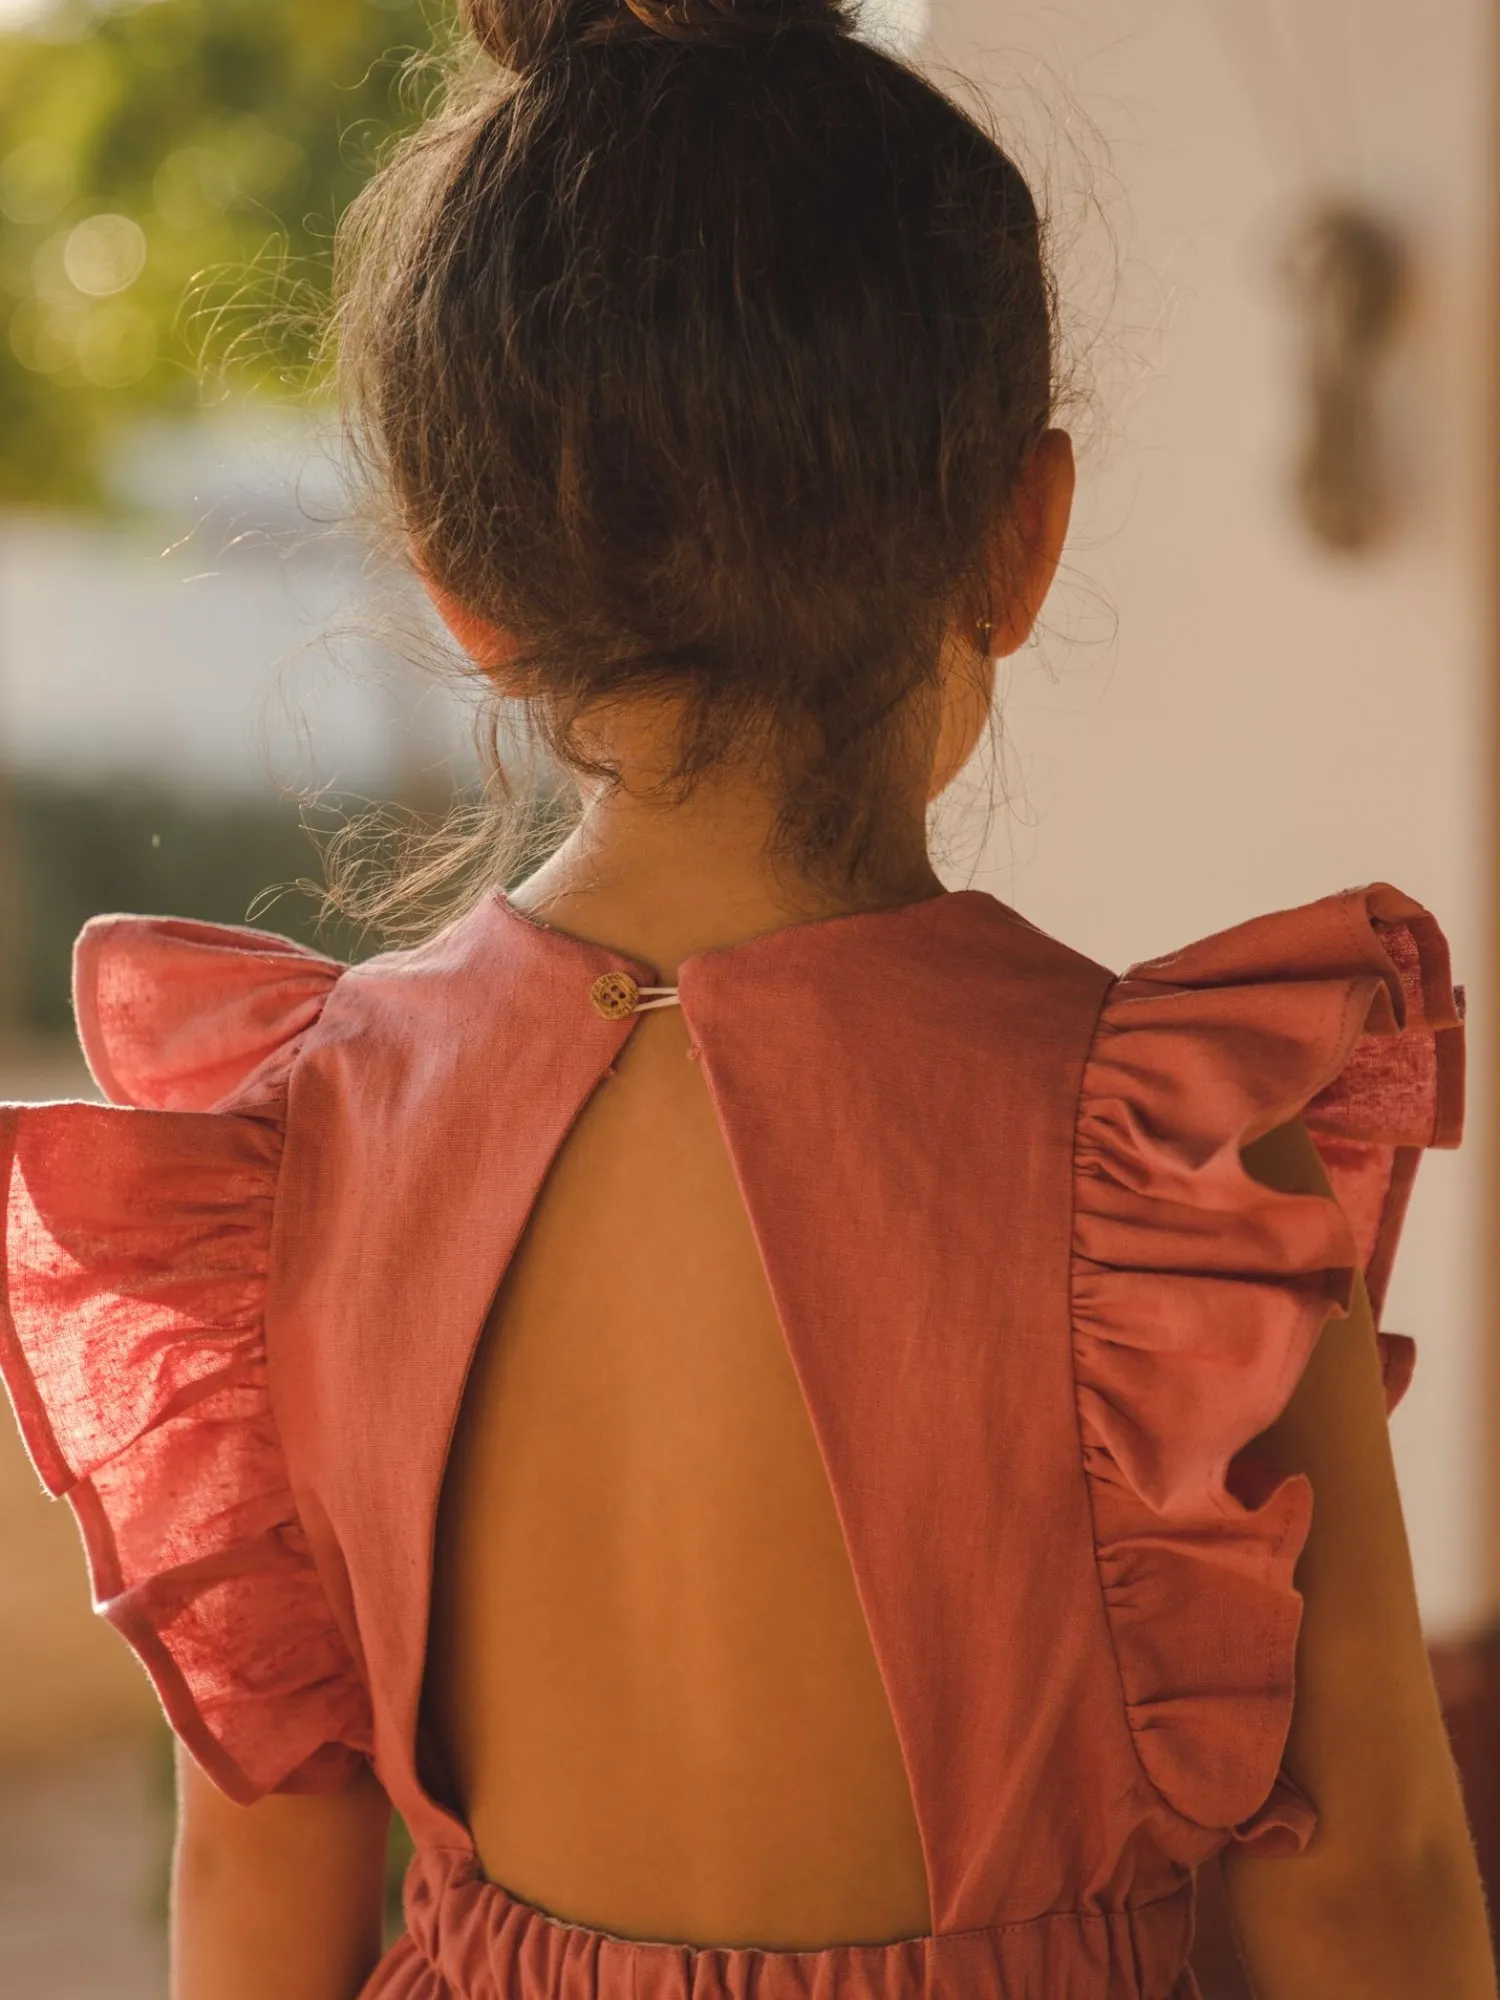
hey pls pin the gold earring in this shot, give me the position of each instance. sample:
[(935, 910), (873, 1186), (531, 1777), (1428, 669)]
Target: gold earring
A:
[(986, 633)]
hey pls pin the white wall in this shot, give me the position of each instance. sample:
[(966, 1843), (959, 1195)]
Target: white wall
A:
[(1265, 722), (220, 637)]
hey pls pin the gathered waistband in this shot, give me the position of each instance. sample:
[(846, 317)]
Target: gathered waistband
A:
[(469, 1939)]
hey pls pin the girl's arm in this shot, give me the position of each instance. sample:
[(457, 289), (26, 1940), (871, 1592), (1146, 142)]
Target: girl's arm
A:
[(276, 1901), (1386, 1902)]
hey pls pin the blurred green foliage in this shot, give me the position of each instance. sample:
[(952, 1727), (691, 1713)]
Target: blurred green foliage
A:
[(171, 172)]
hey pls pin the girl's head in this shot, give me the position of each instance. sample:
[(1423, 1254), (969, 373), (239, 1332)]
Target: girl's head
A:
[(706, 352)]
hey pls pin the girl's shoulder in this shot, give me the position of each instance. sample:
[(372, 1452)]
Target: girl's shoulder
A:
[(177, 1015)]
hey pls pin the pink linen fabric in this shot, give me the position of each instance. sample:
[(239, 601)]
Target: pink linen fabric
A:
[(1038, 1309)]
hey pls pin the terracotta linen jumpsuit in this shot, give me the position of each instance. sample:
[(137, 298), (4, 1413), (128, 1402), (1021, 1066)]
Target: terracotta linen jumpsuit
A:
[(1036, 1308)]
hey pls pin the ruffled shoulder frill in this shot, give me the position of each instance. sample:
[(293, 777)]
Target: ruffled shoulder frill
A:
[(1199, 1294), (136, 1250)]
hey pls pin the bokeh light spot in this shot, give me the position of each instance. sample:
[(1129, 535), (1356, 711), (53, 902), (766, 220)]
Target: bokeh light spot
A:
[(105, 255)]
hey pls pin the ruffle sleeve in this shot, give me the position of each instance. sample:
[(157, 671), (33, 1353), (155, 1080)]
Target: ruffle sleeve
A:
[(1199, 1294), (137, 1244)]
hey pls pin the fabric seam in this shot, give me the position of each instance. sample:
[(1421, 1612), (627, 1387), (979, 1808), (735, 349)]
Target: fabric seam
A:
[(1083, 1467), (920, 1940), (355, 1652)]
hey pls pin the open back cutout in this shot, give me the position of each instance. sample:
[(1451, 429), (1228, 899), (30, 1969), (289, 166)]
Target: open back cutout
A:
[(649, 1673)]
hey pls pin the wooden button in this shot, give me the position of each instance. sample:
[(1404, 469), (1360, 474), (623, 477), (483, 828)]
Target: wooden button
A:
[(614, 995)]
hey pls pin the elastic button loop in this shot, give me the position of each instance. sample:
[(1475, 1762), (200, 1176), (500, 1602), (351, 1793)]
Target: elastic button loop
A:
[(616, 995)]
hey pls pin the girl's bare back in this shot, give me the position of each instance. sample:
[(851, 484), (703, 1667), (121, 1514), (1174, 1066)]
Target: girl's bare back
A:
[(649, 1664)]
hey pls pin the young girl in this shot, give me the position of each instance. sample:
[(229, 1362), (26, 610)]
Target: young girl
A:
[(811, 1441)]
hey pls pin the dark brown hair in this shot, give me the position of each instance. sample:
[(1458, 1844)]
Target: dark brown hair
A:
[(699, 345)]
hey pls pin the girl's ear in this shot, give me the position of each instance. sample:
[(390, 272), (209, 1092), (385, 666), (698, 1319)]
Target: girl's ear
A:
[(486, 645), (1031, 544)]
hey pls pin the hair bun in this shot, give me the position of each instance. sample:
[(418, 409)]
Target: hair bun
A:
[(734, 20), (520, 33)]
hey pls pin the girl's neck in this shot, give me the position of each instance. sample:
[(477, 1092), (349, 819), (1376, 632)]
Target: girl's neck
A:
[(661, 882)]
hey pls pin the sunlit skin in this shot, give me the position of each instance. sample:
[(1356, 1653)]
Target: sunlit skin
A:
[(634, 1346)]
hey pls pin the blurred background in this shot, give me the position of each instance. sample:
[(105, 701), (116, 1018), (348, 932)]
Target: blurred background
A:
[(1267, 671)]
